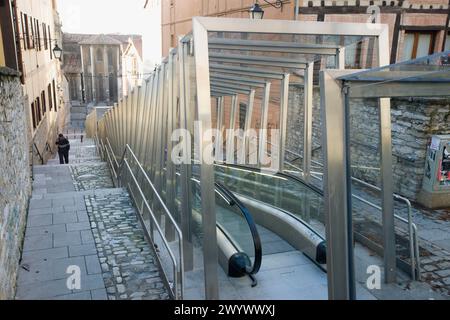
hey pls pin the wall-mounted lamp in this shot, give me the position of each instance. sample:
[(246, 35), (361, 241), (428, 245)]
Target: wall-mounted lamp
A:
[(256, 12), (57, 51)]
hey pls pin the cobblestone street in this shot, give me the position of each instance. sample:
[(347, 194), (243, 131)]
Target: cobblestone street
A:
[(77, 218), (91, 176), (128, 267), (434, 238)]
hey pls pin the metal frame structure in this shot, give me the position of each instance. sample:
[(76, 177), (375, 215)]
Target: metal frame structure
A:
[(337, 88), (205, 67), (339, 259)]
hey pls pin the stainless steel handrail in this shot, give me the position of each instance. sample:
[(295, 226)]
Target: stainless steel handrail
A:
[(168, 215), (178, 269), (98, 146), (112, 150), (412, 228), (109, 153)]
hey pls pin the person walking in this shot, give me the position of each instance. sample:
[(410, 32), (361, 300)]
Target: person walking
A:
[(63, 149)]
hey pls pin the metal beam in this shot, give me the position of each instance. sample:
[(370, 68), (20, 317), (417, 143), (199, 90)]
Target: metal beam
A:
[(387, 192), (170, 166), (290, 27), (271, 46), (247, 71), (284, 99), (210, 249), (335, 187), (250, 81), (259, 60), (185, 168), (216, 94), (219, 127), (230, 85), (263, 126), (248, 123), (221, 89), (397, 89), (238, 83), (307, 121)]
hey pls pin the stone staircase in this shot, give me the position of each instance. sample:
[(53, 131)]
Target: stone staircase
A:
[(78, 114), (83, 240)]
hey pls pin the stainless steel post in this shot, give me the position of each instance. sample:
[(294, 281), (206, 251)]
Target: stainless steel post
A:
[(210, 250), (335, 187), (308, 119), (283, 120)]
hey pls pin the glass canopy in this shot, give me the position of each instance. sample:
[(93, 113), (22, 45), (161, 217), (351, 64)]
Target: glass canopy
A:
[(433, 68)]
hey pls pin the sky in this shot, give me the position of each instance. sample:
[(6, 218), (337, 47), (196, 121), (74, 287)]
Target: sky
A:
[(116, 16)]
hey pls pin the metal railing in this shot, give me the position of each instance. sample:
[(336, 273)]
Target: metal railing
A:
[(412, 227), (38, 153), (122, 169)]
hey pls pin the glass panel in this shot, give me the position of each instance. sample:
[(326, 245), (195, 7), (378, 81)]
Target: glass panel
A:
[(433, 68), (352, 56), (423, 45), (281, 192), (230, 219)]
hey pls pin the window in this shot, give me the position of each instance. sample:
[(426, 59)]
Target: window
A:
[(50, 101), (38, 111), (99, 55), (38, 34), (418, 44), (33, 39), (44, 33), (110, 57), (54, 95), (24, 31), (447, 43), (27, 32), (33, 115), (50, 44), (44, 104), (242, 115), (353, 56)]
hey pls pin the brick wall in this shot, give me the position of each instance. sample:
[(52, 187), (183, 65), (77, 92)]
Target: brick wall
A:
[(15, 184)]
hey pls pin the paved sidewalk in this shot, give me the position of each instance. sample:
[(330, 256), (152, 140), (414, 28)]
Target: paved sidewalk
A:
[(58, 236)]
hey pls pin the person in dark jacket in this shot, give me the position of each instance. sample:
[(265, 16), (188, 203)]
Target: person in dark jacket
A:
[(63, 149)]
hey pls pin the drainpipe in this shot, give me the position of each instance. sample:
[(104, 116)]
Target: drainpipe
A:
[(297, 5)]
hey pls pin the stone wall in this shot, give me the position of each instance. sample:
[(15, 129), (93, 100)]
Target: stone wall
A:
[(15, 183), (414, 121), (294, 140)]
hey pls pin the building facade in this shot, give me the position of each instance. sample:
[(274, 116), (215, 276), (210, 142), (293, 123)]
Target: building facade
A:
[(31, 114), (30, 31), (101, 68), (416, 27)]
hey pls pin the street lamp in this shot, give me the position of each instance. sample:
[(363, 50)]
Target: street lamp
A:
[(256, 12), (57, 51)]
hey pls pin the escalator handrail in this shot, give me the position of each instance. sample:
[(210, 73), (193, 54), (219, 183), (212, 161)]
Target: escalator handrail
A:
[(251, 224), (233, 200), (280, 174)]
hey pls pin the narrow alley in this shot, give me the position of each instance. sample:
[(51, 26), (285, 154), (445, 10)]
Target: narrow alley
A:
[(77, 219)]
